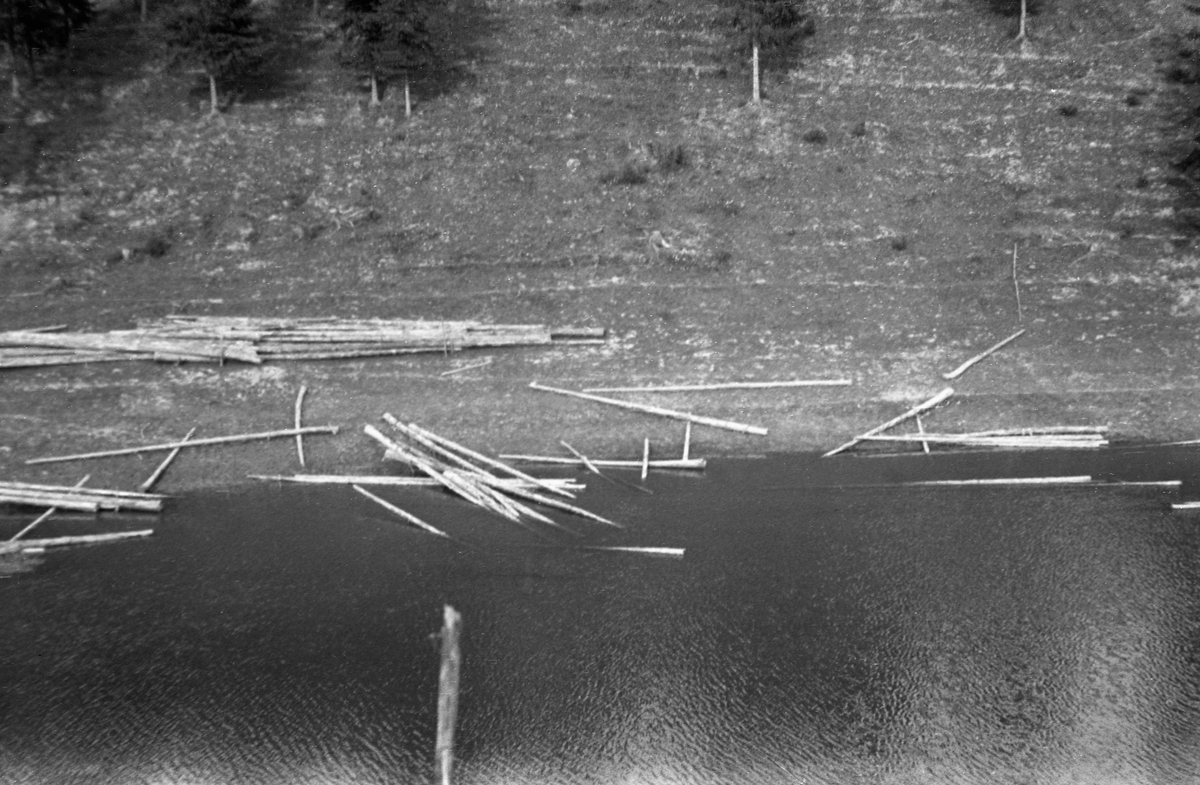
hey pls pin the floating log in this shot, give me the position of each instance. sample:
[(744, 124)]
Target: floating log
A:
[(698, 419), (297, 424), (46, 514), (670, 553), (1028, 442), (1053, 430), (421, 482), (448, 680), (550, 501), (81, 539), (414, 520), (913, 412), (957, 372), (1185, 506), (671, 388), (1079, 479), (162, 467), (695, 464), (247, 437), (62, 503), (645, 460), (687, 439)]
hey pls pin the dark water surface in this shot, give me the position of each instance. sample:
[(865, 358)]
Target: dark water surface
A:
[(815, 632)]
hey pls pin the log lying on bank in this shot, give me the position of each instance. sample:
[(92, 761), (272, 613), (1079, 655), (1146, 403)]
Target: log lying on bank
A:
[(235, 439), (78, 498), (908, 415), (672, 413), (692, 464), (1032, 442), (36, 546), (411, 482), (255, 340)]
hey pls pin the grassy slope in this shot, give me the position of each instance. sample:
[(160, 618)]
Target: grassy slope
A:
[(879, 248)]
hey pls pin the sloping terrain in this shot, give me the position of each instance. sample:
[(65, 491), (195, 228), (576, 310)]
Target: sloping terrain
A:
[(595, 163)]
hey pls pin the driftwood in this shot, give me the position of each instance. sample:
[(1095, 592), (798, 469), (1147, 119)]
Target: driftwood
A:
[(913, 412), (81, 539), (46, 514), (670, 553), (723, 386), (696, 464), (246, 437), (637, 407), (1185, 506), (448, 680), (411, 482), (1023, 442), (960, 370), (645, 459), (78, 498), (1081, 479), (414, 520), (162, 467)]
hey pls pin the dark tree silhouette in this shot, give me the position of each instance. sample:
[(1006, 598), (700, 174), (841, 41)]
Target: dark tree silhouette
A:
[(29, 28), (385, 37), (1018, 8), (221, 36), (766, 25)]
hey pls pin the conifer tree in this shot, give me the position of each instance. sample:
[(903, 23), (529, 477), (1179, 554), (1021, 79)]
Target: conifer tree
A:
[(385, 37), (221, 36), (29, 27), (764, 25)]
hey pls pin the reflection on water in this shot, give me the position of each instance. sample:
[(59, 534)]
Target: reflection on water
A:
[(814, 632)]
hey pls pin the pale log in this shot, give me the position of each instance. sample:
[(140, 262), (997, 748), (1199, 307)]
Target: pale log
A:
[(414, 520), (913, 412), (247, 437), (637, 407), (662, 463), (45, 515), (495, 464), (448, 680), (723, 386), (957, 372), (162, 467)]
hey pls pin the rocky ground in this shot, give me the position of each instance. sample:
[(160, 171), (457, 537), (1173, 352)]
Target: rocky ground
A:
[(596, 164)]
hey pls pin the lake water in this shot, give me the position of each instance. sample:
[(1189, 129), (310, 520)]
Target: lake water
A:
[(823, 627)]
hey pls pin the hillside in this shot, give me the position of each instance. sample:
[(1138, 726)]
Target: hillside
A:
[(861, 223)]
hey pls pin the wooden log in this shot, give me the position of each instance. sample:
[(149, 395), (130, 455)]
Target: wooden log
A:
[(162, 467), (913, 412), (957, 372), (471, 367), (448, 683), (550, 501), (247, 437), (1185, 506), (1045, 442), (62, 503), (495, 464), (79, 501), (645, 460), (403, 482), (921, 429), (81, 539), (670, 553), (1080, 479), (671, 388), (696, 464), (45, 515), (592, 468), (698, 419), (297, 424), (687, 440), (414, 520), (133, 342)]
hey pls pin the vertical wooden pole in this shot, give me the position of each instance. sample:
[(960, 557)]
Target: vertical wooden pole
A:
[(447, 695)]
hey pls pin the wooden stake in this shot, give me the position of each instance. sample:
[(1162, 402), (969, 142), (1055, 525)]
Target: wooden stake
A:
[(162, 467), (448, 681), (645, 460), (957, 372), (45, 515), (299, 437), (913, 412), (414, 520), (723, 386), (194, 443), (698, 419)]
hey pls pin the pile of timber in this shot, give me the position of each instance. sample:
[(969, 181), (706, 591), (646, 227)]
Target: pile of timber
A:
[(1065, 437), (472, 476), (255, 340), (66, 497)]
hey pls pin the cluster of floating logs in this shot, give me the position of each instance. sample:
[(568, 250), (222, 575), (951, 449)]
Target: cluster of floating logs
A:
[(255, 340), (1063, 437), (71, 497)]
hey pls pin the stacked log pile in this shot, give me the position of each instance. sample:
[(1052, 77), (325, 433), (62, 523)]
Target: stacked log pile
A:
[(255, 340), (66, 497)]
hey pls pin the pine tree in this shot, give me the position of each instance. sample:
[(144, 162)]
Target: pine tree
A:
[(221, 36), (29, 27), (766, 25), (1019, 8), (384, 37)]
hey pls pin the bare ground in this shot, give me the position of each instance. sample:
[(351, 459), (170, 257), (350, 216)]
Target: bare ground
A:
[(860, 224)]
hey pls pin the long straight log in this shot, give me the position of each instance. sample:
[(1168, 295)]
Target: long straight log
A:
[(448, 681), (247, 437), (133, 342), (960, 370), (408, 516), (913, 412), (550, 501), (421, 482), (1185, 506), (669, 553), (1080, 479), (670, 388), (81, 539), (162, 467), (697, 464), (80, 501), (495, 464), (62, 503), (637, 407), (78, 490), (993, 441), (1053, 430)]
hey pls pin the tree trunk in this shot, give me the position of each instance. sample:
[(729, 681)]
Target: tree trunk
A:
[(1021, 29), (212, 95), (375, 90), (756, 91)]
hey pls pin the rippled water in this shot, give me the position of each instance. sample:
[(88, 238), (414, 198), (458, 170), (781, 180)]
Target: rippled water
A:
[(815, 632)]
